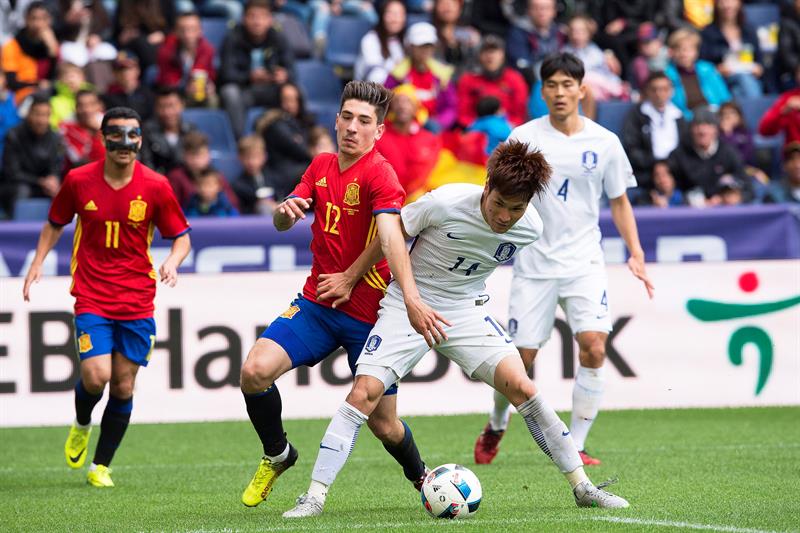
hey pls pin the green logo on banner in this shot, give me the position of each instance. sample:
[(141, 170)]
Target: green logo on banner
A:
[(709, 311)]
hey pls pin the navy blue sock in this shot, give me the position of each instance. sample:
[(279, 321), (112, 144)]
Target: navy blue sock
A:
[(407, 454), (84, 403), (264, 409), (115, 421)]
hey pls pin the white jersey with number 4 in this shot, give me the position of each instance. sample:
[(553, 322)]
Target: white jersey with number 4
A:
[(454, 249), (585, 165)]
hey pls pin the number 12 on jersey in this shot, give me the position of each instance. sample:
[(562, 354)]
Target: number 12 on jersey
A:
[(564, 189)]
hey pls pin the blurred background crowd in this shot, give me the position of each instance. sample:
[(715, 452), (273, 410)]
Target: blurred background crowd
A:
[(238, 97)]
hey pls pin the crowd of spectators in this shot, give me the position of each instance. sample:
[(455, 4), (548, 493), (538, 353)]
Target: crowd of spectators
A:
[(685, 67)]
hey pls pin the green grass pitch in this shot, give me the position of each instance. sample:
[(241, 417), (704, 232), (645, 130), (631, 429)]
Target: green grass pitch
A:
[(731, 470)]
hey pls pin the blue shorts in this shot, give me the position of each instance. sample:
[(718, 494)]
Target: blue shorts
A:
[(95, 335), (310, 332)]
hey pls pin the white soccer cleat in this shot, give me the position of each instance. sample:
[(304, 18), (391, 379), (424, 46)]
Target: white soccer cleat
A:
[(306, 505), (587, 495)]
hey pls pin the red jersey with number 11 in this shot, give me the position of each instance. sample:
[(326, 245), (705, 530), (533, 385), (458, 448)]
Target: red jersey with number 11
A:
[(112, 271), (345, 205)]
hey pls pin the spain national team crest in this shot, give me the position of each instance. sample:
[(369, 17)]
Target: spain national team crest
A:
[(373, 343), (138, 210), (351, 196), (84, 343), (589, 160), (289, 313), (505, 251)]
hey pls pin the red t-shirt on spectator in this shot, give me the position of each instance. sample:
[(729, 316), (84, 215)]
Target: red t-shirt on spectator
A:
[(774, 121), (510, 88), (412, 155)]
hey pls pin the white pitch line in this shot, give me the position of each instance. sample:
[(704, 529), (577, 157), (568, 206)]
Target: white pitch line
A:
[(683, 525)]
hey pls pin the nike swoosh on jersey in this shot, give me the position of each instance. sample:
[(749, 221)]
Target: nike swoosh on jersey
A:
[(451, 236)]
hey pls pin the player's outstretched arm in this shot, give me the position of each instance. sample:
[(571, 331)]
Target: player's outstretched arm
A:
[(338, 286), (169, 269), (622, 213), (424, 320), (47, 240), (289, 212)]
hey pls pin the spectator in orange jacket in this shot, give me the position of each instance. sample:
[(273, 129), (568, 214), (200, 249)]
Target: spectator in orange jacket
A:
[(493, 79)]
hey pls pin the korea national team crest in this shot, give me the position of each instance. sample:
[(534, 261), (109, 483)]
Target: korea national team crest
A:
[(351, 196), (589, 160), (138, 210), (372, 343), (505, 251)]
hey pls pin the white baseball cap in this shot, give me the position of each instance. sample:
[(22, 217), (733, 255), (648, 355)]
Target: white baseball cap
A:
[(421, 33)]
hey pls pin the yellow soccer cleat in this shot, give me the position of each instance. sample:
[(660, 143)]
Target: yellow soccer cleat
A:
[(263, 480), (76, 446), (100, 477)]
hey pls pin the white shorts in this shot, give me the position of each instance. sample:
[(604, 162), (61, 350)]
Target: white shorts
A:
[(532, 306), (475, 342)]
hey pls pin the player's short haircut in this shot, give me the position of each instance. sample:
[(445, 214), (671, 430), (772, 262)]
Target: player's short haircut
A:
[(656, 75), (194, 141), (258, 4), (373, 93), (120, 112), (251, 143), (563, 62), (516, 170)]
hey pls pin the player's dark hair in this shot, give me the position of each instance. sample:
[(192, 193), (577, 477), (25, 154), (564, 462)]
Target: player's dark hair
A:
[(516, 170), (562, 62), (656, 75), (120, 112), (373, 93)]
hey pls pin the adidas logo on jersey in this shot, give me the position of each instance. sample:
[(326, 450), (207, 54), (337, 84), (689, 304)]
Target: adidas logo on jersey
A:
[(322, 182), (90, 206)]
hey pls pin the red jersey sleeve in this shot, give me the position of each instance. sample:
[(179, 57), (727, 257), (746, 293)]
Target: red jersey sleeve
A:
[(386, 195), (62, 209), (169, 217), (305, 189)]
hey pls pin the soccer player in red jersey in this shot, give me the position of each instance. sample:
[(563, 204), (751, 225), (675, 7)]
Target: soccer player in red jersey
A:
[(119, 203), (356, 196)]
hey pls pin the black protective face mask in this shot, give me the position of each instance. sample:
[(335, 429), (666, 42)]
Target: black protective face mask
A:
[(127, 142)]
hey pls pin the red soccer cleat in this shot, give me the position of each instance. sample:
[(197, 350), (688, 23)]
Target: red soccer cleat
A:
[(487, 445), (587, 459)]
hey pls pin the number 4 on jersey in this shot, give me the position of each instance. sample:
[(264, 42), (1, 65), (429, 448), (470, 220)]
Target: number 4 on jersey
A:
[(563, 190)]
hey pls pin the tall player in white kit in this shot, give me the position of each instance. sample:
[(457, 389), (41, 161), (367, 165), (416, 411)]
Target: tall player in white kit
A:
[(462, 233), (565, 267)]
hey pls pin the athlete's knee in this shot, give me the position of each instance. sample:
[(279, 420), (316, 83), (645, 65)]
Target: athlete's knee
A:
[(121, 386), (259, 371), (593, 351), (95, 378), (365, 395), (520, 390)]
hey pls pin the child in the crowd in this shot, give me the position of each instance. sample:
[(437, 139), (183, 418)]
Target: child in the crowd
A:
[(735, 132), (209, 200), (196, 159), (664, 193), (729, 191), (254, 186), (8, 111), (71, 79), (602, 68), (653, 55), (320, 141), (492, 121)]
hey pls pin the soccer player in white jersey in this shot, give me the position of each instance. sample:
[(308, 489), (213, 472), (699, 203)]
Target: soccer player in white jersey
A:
[(462, 233), (566, 265)]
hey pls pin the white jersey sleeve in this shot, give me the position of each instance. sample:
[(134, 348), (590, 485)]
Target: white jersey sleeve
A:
[(427, 211), (618, 174)]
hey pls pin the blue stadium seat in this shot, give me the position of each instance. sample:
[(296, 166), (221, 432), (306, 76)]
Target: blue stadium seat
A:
[(31, 209), (344, 39), (752, 110), (318, 81), (413, 18), (216, 124), (611, 115), (761, 15), (326, 116), (215, 29), (229, 165), (253, 114)]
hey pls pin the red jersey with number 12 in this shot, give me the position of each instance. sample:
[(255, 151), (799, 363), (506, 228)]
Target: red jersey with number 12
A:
[(345, 205), (112, 271)]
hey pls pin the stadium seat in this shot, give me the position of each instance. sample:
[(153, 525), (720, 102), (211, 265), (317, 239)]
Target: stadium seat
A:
[(318, 81), (31, 209), (326, 116), (752, 110), (296, 34), (344, 39), (253, 114), (215, 29), (761, 15), (216, 124), (229, 165), (413, 18), (611, 115)]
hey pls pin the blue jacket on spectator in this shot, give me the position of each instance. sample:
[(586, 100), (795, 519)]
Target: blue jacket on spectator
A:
[(496, 127), (8, 119), (222, 207), (711, 82)]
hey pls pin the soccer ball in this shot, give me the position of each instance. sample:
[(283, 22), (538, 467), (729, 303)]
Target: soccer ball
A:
[(451, 491)]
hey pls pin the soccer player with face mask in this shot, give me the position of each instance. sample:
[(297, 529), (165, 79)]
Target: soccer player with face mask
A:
[(119, 203)]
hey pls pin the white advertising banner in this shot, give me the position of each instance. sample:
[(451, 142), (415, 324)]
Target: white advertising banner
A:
[(724, 334)]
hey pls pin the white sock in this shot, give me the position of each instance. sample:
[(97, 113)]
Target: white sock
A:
[(318, 490), (81, 426), (550, 433), (498, 417), (338, 442), (281, 457), (586, 397)]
